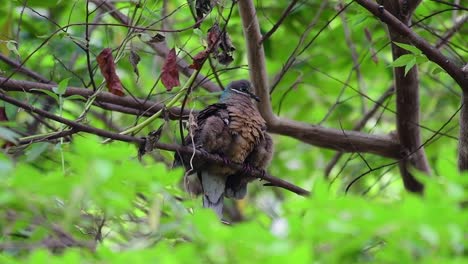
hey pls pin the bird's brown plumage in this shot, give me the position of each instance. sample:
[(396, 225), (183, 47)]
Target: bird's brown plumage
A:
[(235, 130)]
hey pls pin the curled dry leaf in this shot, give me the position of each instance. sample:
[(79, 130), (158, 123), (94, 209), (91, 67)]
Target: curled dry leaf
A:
[(203, 7), (157, 38), (199, 59), (107, 67), (170, 74), (134, 60), (221, 45)]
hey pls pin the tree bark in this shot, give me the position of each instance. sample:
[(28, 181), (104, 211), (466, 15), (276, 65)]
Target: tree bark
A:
[(463, 138), (407, 101)]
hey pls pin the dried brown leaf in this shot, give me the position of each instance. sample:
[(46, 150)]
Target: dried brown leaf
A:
[(203, 7), (157, 38), (134, 60), (170, 73), (199, 59), (107, 67)]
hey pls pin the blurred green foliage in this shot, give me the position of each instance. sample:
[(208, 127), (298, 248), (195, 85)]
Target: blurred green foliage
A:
[(105, 181), (57, 189)]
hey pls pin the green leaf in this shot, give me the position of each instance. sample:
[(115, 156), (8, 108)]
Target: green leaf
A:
[(49, 93), (36, 150), (421, 59), (437, 70), (11, 46), (8, 135), (402, 60), (409, 48), (75, 97), (410, 65), (62, 87)]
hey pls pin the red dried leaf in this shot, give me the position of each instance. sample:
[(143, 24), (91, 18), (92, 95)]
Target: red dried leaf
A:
[(199, 59), (107, 67), (170, 74), (214, 36)]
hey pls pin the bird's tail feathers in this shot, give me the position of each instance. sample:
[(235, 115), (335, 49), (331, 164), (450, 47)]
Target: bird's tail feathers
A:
[(213, 189)]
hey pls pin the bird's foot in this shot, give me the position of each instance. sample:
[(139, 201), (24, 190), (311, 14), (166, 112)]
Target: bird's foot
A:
[(247, 169), (225, 160), (203, 152)]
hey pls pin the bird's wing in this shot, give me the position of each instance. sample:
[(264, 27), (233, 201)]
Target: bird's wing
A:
[(260, 157), (212, 114)]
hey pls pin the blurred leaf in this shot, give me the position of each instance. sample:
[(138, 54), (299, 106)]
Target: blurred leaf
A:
[(9, 135), (49, 93), (61, 87), (408, 47), (36, 150), (11, 46)]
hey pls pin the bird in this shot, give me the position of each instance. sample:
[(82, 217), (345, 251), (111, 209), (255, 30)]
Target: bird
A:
[(234, 129)]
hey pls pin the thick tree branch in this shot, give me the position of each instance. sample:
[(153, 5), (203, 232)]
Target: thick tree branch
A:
[(256, 58), (407, 100), (431, 52), (18, 67), (347, 141), (160, 48), (106, 100), (285, 14), (463, 142)]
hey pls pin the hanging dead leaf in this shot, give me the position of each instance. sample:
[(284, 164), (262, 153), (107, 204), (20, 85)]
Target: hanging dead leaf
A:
[(224, 58), (134, 60), (199, 59), (221, 44), (203, 7), (170, 73), (214, 36), (157, 38), (107, 67), (226, 43)]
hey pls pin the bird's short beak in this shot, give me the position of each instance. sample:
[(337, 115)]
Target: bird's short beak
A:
[(253, 96)]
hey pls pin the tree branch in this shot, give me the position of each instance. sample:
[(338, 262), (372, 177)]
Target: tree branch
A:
[(19, 68), (407, 100), (285, 14), (256, 58), (431, 52), (106, 100)]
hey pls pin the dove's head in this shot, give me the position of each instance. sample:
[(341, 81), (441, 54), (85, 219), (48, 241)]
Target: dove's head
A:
[(240, 87)]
